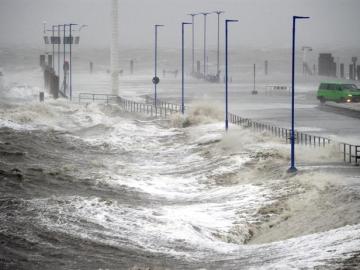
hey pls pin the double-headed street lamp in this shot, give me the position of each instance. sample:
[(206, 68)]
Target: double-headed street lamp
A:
[(226, 72), (182, 67), (292, 168), (156, 79)]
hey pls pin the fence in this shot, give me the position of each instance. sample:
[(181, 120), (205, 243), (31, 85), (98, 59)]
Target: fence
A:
[(350, 152), (163, 104), (162, 109), (98, 97), (277, 90)]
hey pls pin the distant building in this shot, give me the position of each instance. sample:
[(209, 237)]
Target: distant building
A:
[(327, 65)]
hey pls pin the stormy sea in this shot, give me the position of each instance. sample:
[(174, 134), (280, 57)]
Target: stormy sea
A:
[(91, 186)]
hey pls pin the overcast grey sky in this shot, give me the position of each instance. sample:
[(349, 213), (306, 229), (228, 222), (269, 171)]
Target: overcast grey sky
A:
[(263, 23)]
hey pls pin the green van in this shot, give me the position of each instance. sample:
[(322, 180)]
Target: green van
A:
[(338, 92)]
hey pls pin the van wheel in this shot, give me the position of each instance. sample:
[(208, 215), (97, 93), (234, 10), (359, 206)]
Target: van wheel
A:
[(322, 100)]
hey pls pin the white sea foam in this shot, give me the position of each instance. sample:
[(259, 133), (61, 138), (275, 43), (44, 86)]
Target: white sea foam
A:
[(208, 189), (174, 229)]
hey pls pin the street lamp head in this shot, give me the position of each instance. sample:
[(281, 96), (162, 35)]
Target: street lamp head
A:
[(186, 23), (218, 12), (227, 21), (193, 14), (205, 13), (300, 17), (158, 25)]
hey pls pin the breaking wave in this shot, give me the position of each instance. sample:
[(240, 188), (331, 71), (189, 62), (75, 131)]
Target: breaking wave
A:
[(92, 187)]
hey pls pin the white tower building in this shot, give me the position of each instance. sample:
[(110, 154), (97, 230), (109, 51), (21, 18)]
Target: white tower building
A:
[(114, 47)]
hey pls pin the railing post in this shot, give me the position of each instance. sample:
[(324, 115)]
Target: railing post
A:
[(350, 148)]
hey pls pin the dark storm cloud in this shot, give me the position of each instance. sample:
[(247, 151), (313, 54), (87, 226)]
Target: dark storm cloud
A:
[(263, 23)]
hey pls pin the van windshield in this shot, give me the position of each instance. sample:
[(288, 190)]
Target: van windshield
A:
[(349, 86)]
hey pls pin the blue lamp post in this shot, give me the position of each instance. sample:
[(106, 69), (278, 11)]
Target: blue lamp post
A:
[(156, 79), (226, 73), (182, 66), (292, 168)]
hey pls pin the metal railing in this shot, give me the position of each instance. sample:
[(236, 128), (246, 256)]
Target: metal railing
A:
[(277, 90), (162, 109), (97, 97), (350, 152), (149, 109), (163, 104)]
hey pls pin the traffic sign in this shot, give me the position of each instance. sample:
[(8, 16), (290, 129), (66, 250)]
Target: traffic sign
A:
[(155, 80)]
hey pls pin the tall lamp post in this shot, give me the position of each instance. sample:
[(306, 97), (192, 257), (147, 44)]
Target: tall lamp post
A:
[(193, 40), (182, 67), (156, 79), (219, 12), (59, 43), (53, 45), (292, 168), (226, 72), (64, 51), (205, 14), (70, 56)]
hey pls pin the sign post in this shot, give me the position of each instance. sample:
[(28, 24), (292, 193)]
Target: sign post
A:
[(156, 80)]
